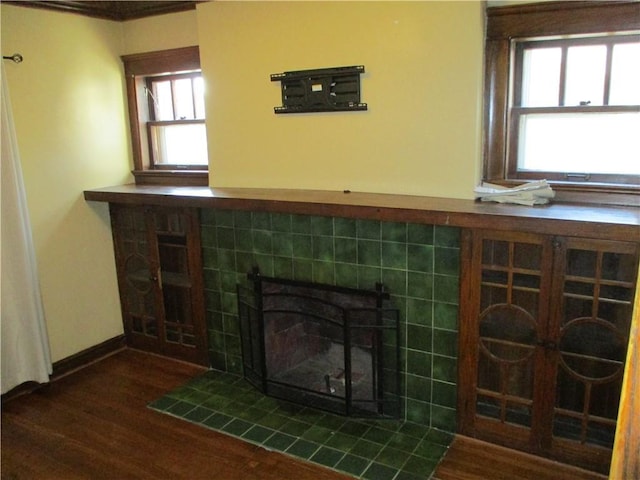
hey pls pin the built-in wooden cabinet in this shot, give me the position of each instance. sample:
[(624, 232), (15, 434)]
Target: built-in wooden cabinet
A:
[(544, 328), (159, 266)]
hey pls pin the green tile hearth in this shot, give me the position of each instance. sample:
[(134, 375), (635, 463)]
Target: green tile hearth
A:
[(366, 449)]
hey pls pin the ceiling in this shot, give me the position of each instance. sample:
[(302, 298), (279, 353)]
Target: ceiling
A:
[(114, 10)]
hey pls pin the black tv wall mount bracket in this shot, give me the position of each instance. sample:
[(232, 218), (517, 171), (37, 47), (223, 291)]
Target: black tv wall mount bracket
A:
[(321, 90)]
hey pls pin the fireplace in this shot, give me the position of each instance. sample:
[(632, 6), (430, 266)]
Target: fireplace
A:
[(325, 346)]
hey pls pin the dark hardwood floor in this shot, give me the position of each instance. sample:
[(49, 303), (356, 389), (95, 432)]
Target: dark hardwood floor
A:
[(94, 424)]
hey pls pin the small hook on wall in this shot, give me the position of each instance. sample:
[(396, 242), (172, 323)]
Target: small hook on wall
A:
[(16, 57)]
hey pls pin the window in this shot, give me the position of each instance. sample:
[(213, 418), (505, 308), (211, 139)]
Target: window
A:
[(167, 117), (562, 96)]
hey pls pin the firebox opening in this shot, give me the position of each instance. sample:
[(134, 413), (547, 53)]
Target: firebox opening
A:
[(324, 346)]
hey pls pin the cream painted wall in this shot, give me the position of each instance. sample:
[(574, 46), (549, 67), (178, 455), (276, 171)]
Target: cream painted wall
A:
[(69, 110), (423, 80), (160, 32)]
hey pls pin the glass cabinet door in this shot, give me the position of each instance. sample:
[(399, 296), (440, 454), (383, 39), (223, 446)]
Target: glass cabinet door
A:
[(595, 294)]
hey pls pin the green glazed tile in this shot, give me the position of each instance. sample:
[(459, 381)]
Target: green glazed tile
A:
[(420, 258), (283, 267), (394, 232), (418, 363), (443, 418), (281, 222), (444, 394), (199, 414), (354, 428), (163, 403), (242, 219), (243, 240), (419, 337), (301, 224), (439, 437), (421, 234), (368, 277), (272, 421), (445, 316), (217, 420), (345, 227), (352, 464), (295, 428), (430, 450), (322, 226), (302, 246), (395, 281), (224, 218), (209, 236), (341, 441), (262, 242), (445, 342), (317, 434), (279, 441), (392, 457), (346, 250), (394, 255), (303, 449), (303, 270), (419, 465), (446, 261), (226, 237), (376, 471), (418, 412), (418, 388), (261, 220), (414, 430), (376, 435), (369, 253), (365, 448), (445, 368), (402, 475), (282, 244), (446, 289), (447, 236), (327, 456), (257, 434), (368, 229), (323, 248)]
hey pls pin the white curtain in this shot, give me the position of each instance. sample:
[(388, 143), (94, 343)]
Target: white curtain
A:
[(25, 354)]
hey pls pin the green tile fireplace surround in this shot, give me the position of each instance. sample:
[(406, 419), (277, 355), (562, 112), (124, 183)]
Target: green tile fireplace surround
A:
[(419, 265)]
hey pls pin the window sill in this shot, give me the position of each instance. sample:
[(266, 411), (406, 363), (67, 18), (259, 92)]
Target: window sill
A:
[(191, 178)]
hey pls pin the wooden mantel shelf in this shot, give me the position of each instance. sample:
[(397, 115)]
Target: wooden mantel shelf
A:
[(593, 221)]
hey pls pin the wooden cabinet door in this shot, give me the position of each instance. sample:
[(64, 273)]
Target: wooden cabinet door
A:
[(593, 292), (543, 335), (504, 313), (158, 259)]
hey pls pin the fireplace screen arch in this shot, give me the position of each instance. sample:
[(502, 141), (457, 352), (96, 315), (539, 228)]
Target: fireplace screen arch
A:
[(324, 346)]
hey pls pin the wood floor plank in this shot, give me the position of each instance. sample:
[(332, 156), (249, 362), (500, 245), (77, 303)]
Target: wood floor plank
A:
[(470, 459), (95, 424)]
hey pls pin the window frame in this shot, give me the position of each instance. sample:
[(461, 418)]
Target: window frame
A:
[(532, 21), (153, 121), (137, 68)]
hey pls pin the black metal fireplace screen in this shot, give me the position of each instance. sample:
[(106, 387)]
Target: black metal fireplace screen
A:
[(324, 346)]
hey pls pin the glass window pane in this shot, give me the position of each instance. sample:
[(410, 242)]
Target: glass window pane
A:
[(625, 75), (198, 96), (541, 77), (162, 100), (179, 144), (586, 67), (183, 99), (580, 143)]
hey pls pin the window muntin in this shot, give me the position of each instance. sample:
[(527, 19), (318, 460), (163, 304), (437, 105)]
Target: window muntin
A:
[(575, 110)]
